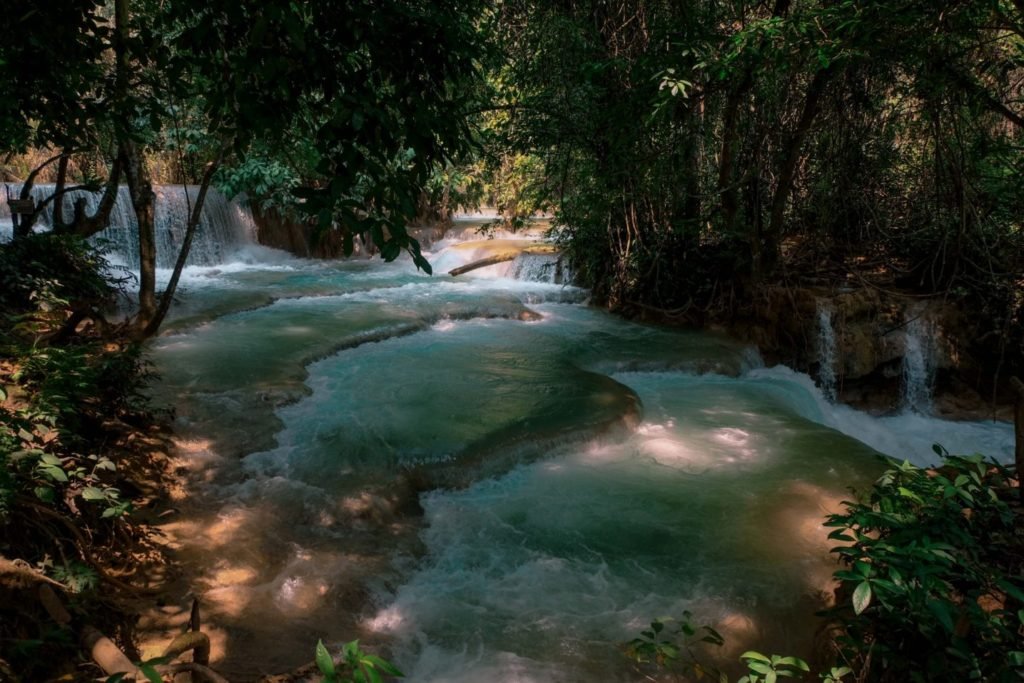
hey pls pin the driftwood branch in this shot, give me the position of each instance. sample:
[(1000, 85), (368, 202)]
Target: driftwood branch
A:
[(483, 263)]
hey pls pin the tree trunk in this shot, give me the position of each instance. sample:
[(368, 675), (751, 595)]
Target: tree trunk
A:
[(140, 187), (787, 173), (482, 263), (22, 224), (727, 184), (58, 191), (1018, 428), (727, 157), (87, 226), (196, 213)]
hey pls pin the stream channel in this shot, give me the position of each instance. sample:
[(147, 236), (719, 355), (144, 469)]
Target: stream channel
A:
[(486, 479)]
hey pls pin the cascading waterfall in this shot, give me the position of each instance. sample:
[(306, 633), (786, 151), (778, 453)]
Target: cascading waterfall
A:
[(826, 352), (224, 227), (540, 268), (918, 363)]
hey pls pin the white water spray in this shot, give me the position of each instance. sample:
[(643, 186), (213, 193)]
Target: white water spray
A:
[(826, 352), (538, 268), (224, 226), (919, 363)]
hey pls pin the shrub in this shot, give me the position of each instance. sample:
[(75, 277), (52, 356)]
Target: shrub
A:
[(933, 573)]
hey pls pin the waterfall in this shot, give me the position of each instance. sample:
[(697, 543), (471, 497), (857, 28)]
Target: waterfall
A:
[(918, 363), (540, 268), (223, 228), (826, 352)]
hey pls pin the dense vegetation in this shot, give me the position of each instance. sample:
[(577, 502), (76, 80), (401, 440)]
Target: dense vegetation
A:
[(76, 443), (694, 154), (698, 153)]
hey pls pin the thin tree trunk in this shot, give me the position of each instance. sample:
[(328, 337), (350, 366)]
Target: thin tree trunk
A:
[(140, 187), (58, 192), (727, 185), (1018, 422), (190, 230), (727, 157), (23, 223), (787, 173), (87, 226)]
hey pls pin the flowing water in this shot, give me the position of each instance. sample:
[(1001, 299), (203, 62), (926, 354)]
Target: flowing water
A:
[(492, 481), (224, 227), (827, 352), (918, 363), (487, 479)]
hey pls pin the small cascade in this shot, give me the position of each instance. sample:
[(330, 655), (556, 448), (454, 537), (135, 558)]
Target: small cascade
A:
[(919, 363), (535, 268), (826, 348), (548, 268), (224, 227)]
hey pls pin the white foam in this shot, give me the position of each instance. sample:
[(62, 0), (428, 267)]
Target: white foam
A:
[(907, 436)]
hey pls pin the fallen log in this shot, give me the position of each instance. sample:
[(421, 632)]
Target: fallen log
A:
[(483, 263)]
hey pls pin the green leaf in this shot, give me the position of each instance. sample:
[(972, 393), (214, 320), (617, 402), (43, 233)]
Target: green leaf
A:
[(795, 662), (372, 675), (45, 494), (93, 493), (756, 656), (384, 665), (861, 597), (150, 673), (423, 264), (390, 250), (759, 667), (351, 651), (54, 473), (942, 612), (324, 662)]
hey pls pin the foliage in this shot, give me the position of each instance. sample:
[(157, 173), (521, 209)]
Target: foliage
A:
[(357, 666), (669, 643), (66, 392), (266, 182), (933, 575), (48, 273), (50, 69), (694, 151), (679, 646)]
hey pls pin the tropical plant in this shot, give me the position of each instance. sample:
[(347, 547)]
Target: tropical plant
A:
[(355, 665)]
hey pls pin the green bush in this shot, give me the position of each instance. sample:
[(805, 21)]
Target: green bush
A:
[(49, 272), (933, 575)]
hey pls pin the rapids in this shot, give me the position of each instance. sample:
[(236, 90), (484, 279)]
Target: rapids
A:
[(488, 480)]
